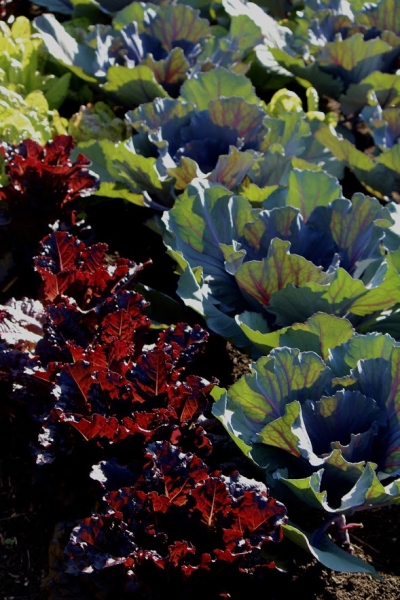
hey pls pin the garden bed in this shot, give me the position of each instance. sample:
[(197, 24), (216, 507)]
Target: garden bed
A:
[(175, 175), (33, 536)]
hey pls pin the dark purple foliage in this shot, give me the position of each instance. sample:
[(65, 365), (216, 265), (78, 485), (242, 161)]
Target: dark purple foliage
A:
[(44, 190), (105, 383), (177, 524), (43, 184), (95, 388)]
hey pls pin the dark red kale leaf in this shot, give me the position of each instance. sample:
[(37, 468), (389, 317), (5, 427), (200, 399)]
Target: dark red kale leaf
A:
[(70, 268), (44, 192), (182, 341), (181, 523), (110, 384), (43, 180)]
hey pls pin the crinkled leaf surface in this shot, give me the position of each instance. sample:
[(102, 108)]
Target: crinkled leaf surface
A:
[(108, 382), (178, 517)]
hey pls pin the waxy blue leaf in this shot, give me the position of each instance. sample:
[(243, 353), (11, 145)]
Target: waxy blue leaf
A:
[(349, 438)]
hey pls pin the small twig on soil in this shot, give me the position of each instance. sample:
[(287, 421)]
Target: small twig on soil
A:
[(4, 568), (10, 284), (365, 544), (13, 517)]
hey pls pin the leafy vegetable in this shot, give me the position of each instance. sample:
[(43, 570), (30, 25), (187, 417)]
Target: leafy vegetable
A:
[(153, 51), (27, 94), (282, 263), (328, 430), (29, 117), (377, 88), (97, 121), (174, 516), (21, 64), (178, 523), (379, 174), (44, 185), (21, 324), (248, 171), (333, 46), (108, 385), (207, 134)]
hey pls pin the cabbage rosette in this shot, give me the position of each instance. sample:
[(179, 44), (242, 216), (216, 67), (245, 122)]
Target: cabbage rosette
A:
[(324, 423)]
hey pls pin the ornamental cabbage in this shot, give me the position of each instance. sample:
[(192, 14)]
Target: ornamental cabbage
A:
[(251, 270), (326, 428)]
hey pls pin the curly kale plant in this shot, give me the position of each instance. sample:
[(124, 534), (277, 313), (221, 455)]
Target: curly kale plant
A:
[(175, 528), (44, 185), (94, 388)]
